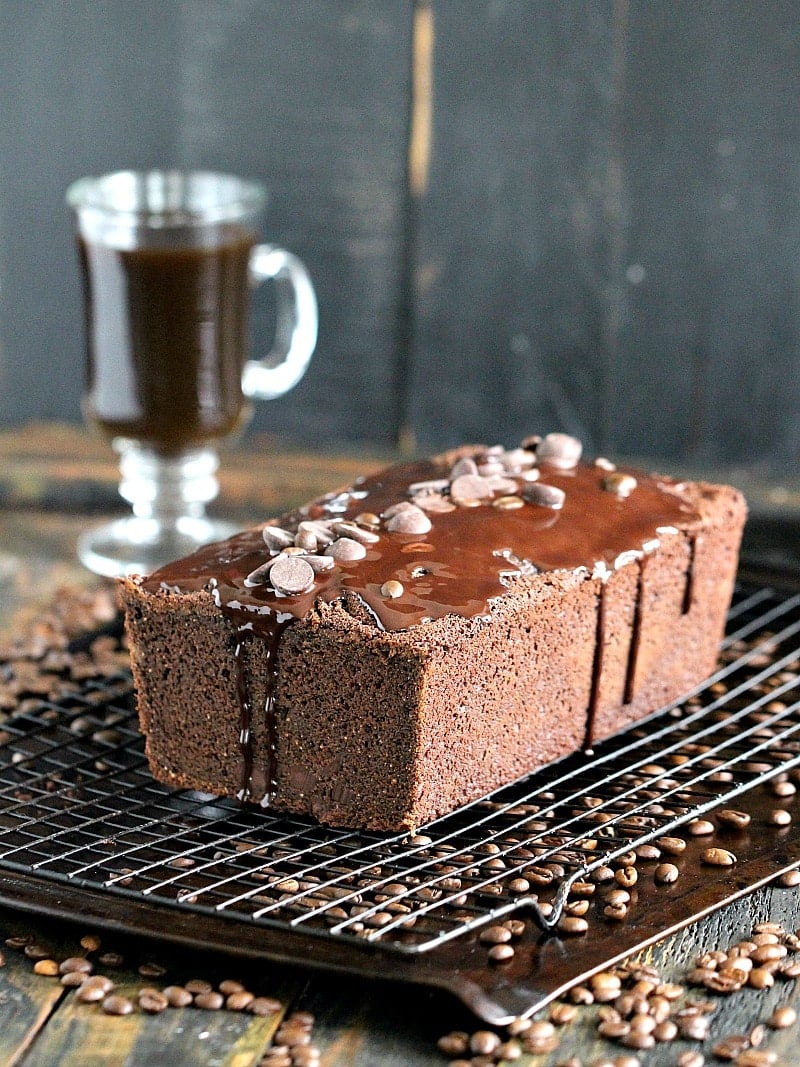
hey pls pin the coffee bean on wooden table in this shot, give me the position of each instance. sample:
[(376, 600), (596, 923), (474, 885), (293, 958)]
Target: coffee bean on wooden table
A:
[(117, 1005), (177, 996), (210, 1001), (152, 1001), (782, 1018)]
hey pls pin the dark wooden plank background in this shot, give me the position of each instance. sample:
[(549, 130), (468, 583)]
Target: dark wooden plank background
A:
[(582, 214)]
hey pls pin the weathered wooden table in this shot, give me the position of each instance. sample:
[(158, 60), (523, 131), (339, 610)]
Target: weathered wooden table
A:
[(52, 482)]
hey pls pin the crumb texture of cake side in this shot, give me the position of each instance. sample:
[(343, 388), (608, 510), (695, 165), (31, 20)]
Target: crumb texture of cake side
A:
[(397, 649)]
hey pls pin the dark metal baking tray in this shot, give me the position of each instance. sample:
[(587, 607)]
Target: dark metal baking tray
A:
[(85, 831)]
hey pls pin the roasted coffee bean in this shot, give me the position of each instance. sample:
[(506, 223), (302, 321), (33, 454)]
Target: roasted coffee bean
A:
[(518, 1026), (279, 1057), (91, 942), (673, 845), (73, 979), (724, 982), (495, 935), (779, 817), (728, 1048), (151, 970), (484, 1042), (615, 912), (694, 1027), (783, 789), (117, 1005), (239, 1000), (500, 953), (152, 1001), (760, 978), (572, 925), (46, 967), (605, 986), (560, 1013), (665, 1031), (76, 963), (718, 857), (690, 1058), (766, 952), (666, 873), (177, 996), (518, 886), (456, 1043), (211, 1001), (700, 827), (617, 896), (35, 951), (648, 852), (782, 1018), (230, 985), (264, 1006), (576, 907), (789, 879), (729, 817), (638, 1040), (579, 994), (20, 942), (198, 985), (90, 994), (753, 1057), (111, 959), (626, 876)]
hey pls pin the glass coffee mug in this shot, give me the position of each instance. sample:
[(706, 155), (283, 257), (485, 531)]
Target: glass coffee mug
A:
[(169, 260)]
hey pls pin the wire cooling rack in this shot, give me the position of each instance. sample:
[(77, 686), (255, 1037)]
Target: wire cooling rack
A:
[(86, 832)]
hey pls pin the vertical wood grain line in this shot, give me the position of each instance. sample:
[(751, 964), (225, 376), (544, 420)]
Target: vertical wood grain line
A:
[(615, 218), (418, 157), (421, 118)]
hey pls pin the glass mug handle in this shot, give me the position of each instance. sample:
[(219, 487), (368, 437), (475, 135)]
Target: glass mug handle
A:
[(296, 324)]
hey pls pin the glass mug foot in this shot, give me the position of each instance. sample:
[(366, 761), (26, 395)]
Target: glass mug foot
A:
[(135, 545), (168, 496)]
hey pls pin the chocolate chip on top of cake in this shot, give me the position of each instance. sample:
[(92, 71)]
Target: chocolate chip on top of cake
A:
[(393, 650)]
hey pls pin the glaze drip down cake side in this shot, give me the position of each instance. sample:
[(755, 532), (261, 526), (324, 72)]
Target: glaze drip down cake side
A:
[(394, 650)]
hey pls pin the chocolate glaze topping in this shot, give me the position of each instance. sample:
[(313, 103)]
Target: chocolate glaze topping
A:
[(460, 565)]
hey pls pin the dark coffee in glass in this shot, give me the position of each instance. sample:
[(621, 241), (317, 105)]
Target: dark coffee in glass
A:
[(167, 332)]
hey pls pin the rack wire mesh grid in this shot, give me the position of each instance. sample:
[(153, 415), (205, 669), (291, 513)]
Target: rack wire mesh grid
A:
[(78, 806)]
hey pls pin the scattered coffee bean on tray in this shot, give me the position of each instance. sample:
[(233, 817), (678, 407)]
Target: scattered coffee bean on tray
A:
[(666, 873), (718, 857)]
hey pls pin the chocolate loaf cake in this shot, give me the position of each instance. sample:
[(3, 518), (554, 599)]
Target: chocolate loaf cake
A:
[(395, 650)]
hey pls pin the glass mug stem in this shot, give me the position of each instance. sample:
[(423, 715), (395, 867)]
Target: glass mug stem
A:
[(169, 260)]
